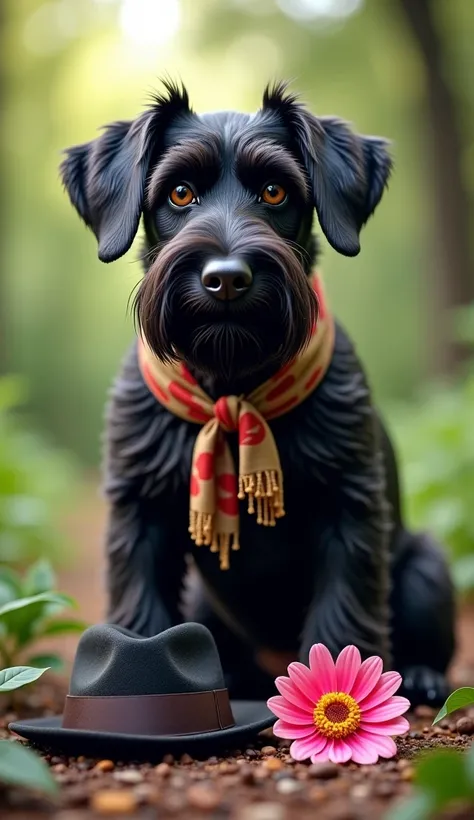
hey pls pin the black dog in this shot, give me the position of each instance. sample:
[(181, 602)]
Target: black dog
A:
[(340, 568)]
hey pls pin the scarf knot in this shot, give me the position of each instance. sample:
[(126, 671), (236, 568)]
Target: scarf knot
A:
[(226, 411), (215, 487)]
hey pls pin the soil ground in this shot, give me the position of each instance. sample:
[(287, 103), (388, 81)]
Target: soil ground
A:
[(260, 782)]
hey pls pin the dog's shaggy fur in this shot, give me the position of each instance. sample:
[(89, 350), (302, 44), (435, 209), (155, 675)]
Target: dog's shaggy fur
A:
[(340, 568)]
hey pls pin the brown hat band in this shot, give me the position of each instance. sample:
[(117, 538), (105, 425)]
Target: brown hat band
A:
[(182, 714)]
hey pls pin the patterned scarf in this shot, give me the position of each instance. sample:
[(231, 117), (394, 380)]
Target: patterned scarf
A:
[(215, 489)]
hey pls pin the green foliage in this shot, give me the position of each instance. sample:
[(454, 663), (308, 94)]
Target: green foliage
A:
[(457, 700), (20, 766), (29, 611), (33, 480), (435, 438), (443, 779)]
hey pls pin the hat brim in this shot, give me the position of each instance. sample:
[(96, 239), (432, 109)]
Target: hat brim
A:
[(251, 717)]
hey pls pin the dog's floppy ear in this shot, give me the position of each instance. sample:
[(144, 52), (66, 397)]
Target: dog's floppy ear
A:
[(106, 178), (348, 172)]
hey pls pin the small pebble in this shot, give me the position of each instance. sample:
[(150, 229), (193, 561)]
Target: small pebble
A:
[(146, 793), (163, 769), (228, 768), (273, 764), (360, 792), (269, 750), (407, 774), (324, 771), (247, 775), (59, 768), (177, 782), (262, 811), (287, 785), (130, 776), (203, 797), (114, 802), (465, 726), (186, 759), (105, 766), (317, 794), (169, 759), (250, 753)]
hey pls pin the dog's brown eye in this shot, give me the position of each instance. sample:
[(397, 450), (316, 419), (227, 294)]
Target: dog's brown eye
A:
[(182, 195), (273, 194)]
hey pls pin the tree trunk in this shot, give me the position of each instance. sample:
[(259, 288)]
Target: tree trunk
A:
[(450, 270)]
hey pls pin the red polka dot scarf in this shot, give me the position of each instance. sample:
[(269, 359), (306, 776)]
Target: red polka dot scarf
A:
[(215, 488)]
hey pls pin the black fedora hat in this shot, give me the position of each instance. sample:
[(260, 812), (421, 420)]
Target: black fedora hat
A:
[(134, 698)]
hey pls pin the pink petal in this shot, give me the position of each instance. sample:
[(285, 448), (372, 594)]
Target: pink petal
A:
[(286, 730), (322, 756), (396, 726), (363, 750), (289, 713), (304, 748), (393, 707), (306, 682), (339, 752), (347, 667), (385, 746), (292, 694), (322, 665), (367, 677), (386, 687)]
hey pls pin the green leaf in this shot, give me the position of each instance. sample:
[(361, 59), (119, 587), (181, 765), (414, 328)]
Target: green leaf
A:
[(63, 627), (22, 767), (21, 617), (17, 676), (54, 662), (418, 807), (457, 700), (43, 597), (39, 578), (443, 776)]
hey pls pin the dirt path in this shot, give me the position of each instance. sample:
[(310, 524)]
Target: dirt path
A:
[(257, 783)]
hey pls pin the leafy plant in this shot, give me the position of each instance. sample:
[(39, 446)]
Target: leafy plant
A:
[(33, 480), (443, 779), (29, 611), (20, 766), (457, 700)]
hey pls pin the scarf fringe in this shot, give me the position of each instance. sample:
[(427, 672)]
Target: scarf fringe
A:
[(266, 489), (264, 493)]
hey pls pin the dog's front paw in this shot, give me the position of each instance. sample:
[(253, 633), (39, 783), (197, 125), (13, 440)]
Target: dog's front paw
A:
[(424, 686)]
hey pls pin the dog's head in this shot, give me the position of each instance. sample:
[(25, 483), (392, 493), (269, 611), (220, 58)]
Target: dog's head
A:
[(227, 201)]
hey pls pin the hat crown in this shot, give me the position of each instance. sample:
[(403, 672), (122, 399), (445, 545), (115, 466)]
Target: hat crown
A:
[(112, 661)]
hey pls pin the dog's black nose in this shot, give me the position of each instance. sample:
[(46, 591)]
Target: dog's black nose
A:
[(226, 278)]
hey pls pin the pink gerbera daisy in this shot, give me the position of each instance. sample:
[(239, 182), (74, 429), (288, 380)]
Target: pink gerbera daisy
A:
[(339, 711)]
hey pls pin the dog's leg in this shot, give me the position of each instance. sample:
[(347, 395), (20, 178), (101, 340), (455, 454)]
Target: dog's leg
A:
[(422, 602), (144, 571), (423, 619), (351, 570)]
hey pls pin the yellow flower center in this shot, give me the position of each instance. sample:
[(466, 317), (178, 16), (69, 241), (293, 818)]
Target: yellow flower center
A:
[(336, 715)]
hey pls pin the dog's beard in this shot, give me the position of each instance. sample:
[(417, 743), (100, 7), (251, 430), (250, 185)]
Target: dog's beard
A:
[(227, 341)]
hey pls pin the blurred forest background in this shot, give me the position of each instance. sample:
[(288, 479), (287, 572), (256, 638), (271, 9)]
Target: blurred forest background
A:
[(398, 68)]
